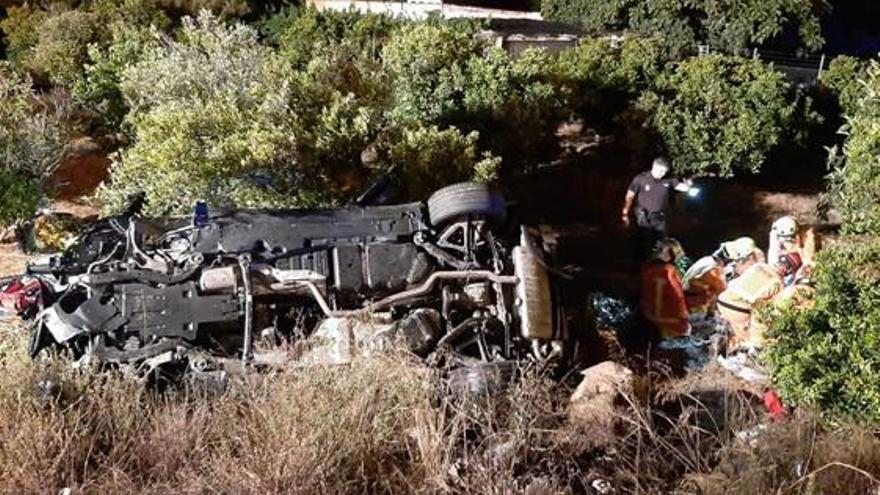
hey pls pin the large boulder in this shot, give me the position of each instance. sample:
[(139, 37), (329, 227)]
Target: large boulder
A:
[(605, 396)]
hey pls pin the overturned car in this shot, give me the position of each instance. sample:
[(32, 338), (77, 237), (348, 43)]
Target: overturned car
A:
[(449, 274)]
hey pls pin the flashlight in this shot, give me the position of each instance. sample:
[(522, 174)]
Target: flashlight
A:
[(693, 192)]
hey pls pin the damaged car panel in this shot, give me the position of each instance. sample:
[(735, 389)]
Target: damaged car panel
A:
[(133, 289)]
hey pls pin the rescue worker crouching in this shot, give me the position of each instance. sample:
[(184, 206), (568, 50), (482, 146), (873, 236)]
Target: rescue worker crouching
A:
[(703, 282), (662, 298), (760, 283), (788, 236), (738, 255)]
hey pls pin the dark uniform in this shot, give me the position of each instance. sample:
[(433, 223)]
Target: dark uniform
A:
[(651, 202)]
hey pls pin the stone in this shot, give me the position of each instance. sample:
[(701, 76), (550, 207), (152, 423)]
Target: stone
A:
[(603, 398)]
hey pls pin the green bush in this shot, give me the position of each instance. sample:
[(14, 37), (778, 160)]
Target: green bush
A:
[(855, 185), (428, 157), (210, 112), (21, 30), (33, 128), (827, 356), (683, 24), (630, 66), (428, 63), (718, 115), (19, 197), (304, 33), (845, 76)]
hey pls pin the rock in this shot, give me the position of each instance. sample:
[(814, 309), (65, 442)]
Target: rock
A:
[(602, 399)]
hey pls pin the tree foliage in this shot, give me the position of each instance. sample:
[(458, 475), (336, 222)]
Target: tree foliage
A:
[(855, 184), (826, 355), (209, 111), (845, 76), (718, 115), (683, 24), (33, 133), (33, 128), (219, 116)]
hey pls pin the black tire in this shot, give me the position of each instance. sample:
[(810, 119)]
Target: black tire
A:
[(463, 199)]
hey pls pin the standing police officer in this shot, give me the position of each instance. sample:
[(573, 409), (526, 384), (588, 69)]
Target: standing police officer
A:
[(651, 192)]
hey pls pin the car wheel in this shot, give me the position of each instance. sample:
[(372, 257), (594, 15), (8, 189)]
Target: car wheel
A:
[(464, 198)]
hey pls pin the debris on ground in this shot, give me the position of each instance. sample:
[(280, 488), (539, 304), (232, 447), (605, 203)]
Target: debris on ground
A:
[(706, 341), (612, 313), (602, 399)]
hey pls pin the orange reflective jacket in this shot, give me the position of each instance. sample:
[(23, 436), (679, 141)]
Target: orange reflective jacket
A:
[(703, 290), (663, 301)]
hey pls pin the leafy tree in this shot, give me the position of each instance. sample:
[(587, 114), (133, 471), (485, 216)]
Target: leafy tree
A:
[(826, 355), (304, 33), (855, 184), (33, 133), (682, 24), (98, 87), (429, 157), (21, 30), (211, 115), (718, 115), (428, 63), (845, 76), (630, 65), (443, 74)]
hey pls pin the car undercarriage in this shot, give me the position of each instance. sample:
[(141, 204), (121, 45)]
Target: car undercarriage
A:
[(441, 276)]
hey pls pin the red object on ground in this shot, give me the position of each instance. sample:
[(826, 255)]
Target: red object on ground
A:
[(22, 297), (774, 405)]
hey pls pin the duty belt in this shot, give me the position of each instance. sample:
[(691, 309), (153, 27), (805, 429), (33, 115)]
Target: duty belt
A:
[(651, 215)]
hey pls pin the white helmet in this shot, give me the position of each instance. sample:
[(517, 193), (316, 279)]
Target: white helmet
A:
[(785, 227)]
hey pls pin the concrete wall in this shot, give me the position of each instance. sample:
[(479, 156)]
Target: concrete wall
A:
[(421, 9)]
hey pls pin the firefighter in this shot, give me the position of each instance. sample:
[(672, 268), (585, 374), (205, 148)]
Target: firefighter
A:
[(703, 283), (786, 235), (651, 192), (662, 300), (738, 255), (761, 282)]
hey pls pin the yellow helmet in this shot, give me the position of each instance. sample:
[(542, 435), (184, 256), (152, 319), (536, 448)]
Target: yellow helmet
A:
[(738, 249)]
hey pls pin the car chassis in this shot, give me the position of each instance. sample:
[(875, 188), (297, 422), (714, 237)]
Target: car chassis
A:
[(153, 294)]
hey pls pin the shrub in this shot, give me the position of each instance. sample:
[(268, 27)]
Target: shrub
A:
[(428, 64), (19, 197), (210, 111), (21, 30), (304, 33), (718, 115), (826, 356), (630, 66), (682, 24), (98, 89), (428, 157), (62, 47), (33, 133), (855, 185), (845, 76)]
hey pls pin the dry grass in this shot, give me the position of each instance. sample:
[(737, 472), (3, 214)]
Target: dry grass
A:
[(389, 425)]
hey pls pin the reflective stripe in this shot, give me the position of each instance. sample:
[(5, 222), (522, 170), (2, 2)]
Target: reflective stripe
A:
[(734, 307)]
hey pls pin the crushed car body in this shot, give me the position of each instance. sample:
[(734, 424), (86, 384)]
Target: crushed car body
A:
[(435, 275)]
